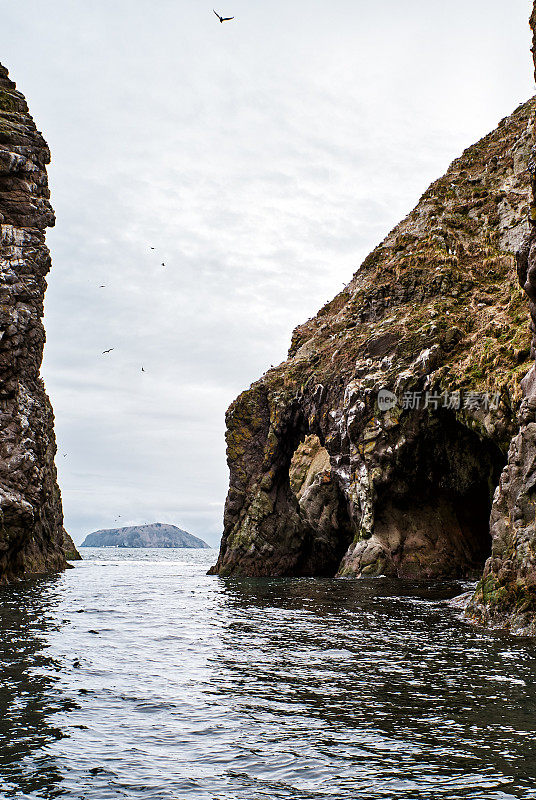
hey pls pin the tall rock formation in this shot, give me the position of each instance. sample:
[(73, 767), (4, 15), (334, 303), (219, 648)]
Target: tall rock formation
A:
[(409, 382), (506, 596), (31, 519), (399, 437)]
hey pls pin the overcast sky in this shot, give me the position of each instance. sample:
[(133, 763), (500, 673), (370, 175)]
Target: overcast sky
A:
[(263, 159)]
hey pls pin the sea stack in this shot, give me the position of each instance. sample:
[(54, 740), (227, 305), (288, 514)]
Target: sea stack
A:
[(404, 415), (31, 517), (404, 391)]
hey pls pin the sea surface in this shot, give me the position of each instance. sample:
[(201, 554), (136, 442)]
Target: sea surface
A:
[(135, 675)]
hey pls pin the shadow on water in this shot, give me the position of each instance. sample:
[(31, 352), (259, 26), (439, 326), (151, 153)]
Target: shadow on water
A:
[(27, 690)]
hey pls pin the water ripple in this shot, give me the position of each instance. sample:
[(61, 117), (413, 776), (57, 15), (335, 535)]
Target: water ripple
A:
[(150, 680)]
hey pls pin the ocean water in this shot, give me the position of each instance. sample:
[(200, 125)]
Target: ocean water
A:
[(135, 675)]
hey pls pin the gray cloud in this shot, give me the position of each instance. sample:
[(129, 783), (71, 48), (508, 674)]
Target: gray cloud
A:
[(263, 160)]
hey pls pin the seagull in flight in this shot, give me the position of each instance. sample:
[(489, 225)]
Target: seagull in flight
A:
[(108, 351), (142, 369), (223, 19)]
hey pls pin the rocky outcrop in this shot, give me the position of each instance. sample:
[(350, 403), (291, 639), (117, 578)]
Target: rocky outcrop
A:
[(409, 381), (69, 548), (506, 596), (31, 519), (157, 534)]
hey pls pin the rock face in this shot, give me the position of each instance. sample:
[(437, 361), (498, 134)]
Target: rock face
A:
[(330, 475), (155, 535), (69, 548), (31, 518), (506, 596)]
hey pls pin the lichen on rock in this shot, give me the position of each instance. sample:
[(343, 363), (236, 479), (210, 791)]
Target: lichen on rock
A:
[(31, 518)]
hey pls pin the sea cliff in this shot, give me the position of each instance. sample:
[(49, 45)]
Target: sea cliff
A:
[(403, 416), (435, 320), (31, 518), (506, 595)]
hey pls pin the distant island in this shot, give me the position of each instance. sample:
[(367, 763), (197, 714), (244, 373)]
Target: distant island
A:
[(156, 535)]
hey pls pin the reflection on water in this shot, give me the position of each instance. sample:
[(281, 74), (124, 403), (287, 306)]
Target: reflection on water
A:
[(136, 675), (28, 698)]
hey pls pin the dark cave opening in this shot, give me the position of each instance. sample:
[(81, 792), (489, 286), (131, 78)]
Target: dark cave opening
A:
[(431, 501), (432, 515)]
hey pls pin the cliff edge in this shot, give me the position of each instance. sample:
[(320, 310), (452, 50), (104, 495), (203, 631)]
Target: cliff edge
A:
[(408, 383), (31, 518)]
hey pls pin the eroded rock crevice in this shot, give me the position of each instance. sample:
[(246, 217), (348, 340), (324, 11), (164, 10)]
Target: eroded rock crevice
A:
[(323, 506), (297, 520), (431, 508), (399, 493)]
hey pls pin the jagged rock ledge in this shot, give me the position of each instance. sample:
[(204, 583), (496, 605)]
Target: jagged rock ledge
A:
[(31, 518)]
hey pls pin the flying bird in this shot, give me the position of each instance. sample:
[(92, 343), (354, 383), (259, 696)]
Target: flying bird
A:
[(142, 369), (108, 351), (152, 248), (163, 264), (223, 19), (102, 286)]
